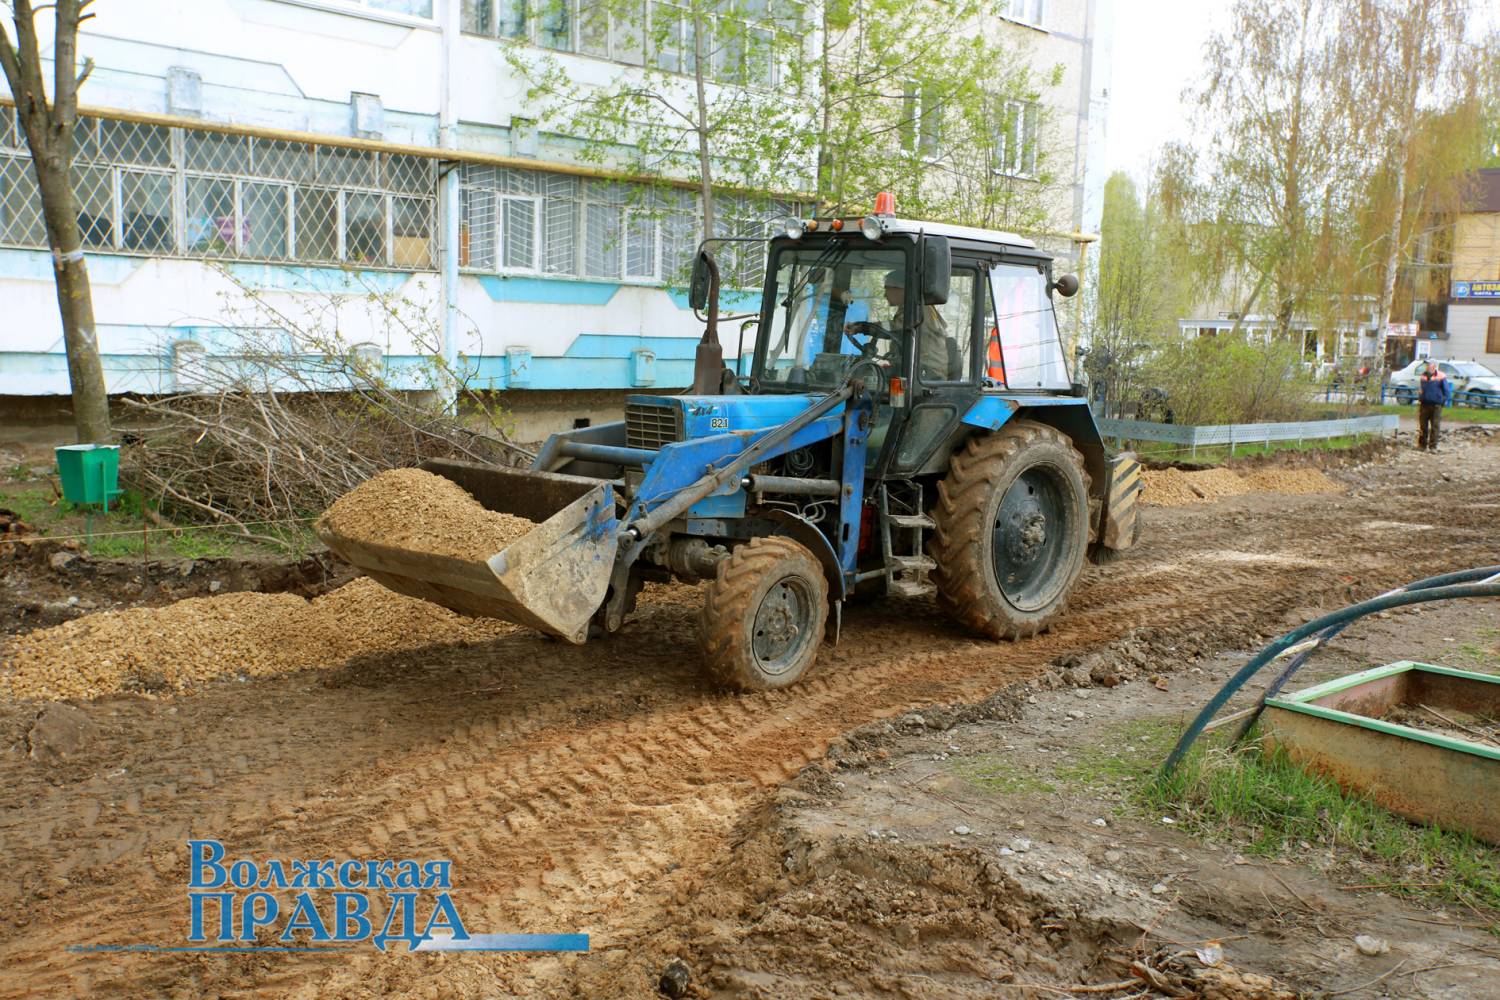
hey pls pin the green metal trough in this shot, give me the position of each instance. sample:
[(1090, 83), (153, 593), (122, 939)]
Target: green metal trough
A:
[(1337, 728)]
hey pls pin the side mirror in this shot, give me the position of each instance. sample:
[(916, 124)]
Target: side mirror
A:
[(701, 282), (1066, 285), (937, 270)]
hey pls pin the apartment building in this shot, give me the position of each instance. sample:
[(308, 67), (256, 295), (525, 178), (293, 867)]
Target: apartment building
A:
[(338, 159)]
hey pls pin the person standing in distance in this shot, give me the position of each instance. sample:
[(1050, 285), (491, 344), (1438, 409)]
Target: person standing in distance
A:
[(1437, 392)]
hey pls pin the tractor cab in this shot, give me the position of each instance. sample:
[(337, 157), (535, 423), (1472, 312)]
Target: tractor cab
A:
[(929, 317)]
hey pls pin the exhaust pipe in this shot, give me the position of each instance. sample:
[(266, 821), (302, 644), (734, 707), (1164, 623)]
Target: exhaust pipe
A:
[(708, 360)]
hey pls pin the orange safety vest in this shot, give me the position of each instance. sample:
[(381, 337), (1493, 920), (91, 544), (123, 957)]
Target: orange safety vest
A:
[(996, 369)]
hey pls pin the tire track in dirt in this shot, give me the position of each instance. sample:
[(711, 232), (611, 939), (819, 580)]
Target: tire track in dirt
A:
[(600, 825)]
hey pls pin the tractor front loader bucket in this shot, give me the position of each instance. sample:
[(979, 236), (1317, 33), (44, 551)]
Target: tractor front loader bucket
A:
[(553, 578)]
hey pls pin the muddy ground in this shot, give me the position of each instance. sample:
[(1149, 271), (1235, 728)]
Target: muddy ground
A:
[(604, 789)]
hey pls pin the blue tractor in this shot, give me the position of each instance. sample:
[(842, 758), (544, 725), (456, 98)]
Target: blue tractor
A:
[(906, 426)]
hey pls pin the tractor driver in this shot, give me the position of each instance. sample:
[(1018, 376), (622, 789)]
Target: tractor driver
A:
[(935, 349)]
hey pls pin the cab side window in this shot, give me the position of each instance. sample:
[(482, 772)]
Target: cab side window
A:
[(946, 345)]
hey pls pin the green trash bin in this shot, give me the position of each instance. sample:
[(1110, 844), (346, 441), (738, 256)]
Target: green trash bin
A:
[(90, 473)]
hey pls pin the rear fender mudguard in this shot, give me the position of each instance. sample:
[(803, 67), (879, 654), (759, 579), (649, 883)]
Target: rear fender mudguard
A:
[(1069, 414)]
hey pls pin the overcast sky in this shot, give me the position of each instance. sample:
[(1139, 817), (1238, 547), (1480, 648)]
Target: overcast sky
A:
[(1157, 51)]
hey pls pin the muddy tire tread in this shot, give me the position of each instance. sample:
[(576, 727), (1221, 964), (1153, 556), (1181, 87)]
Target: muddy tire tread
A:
[(730, 599), (958, 542)]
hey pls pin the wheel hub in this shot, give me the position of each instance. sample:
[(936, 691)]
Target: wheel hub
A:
[(1027, 539), (781, 625)]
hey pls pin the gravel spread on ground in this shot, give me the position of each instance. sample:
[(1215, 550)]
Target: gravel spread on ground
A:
[(416, 510), (170, 648), (1176, 488), (1292, 481), (1211, 484), (1167, 488)]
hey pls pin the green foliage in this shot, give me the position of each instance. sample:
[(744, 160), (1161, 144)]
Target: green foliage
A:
[(1274, 808), (1332, 146), (1145, 283), (1224, 380), (826, 102), (953, 121)]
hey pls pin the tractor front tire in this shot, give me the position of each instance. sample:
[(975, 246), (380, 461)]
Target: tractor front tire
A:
[(763, 615), (1012, 530)]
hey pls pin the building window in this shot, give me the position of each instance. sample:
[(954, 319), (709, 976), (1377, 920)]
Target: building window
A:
[(530, 221), (173, 192), (412, 8), (921, 125), (1492, 336), (1016, 139), (742, 38), (1026, 11)]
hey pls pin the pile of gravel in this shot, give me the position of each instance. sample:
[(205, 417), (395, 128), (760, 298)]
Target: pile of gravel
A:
[(1167, 488), (171, 648), (418, 511), (1211, 484), (1292, 481)]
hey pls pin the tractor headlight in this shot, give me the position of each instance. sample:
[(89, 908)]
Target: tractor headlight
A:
[(793, 229), (871, 228)]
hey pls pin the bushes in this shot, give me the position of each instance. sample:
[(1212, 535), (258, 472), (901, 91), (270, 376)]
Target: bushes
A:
[(1221, 380)]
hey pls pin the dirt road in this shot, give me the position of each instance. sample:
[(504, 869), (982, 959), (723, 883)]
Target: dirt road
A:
[(595, 789)]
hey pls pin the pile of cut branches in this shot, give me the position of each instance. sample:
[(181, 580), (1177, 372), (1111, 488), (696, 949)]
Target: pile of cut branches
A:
[(294, 418), (241, 457)]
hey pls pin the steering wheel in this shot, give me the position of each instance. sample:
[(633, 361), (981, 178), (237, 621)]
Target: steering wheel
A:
[(873, 331)]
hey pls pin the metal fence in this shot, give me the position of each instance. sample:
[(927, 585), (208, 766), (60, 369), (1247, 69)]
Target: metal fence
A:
[(1191, 438), (1401, 395)]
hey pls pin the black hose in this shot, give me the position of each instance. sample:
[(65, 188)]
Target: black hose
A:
[(1337, 618), (1274, 688)]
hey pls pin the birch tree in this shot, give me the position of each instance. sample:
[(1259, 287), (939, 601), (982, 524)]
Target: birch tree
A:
[(1413, 93), (935, 102), (714, 94), (48, 126), (1277, 148)]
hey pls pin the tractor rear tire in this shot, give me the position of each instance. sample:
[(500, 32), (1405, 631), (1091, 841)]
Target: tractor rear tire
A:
[(1012, 530), (763, 615)]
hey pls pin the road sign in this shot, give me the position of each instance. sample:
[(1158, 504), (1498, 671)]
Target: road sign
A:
[(1476, 290)]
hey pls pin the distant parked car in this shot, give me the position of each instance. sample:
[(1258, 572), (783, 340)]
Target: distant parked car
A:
[(1473, 383)]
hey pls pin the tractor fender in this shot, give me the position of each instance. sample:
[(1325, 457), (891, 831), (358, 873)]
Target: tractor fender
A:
[(802, 530), (1076, 420), (1069, 414)]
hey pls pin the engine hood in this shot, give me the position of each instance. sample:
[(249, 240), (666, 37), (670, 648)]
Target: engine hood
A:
[(705, 416)]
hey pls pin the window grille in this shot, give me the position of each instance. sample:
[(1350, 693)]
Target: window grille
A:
[(150, 189)]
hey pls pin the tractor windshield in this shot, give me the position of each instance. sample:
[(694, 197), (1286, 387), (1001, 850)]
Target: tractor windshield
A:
[(833, 305)]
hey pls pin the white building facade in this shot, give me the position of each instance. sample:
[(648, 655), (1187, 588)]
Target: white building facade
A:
[(339, 156)]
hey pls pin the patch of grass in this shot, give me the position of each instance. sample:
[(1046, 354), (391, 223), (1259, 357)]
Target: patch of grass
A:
[(1461, 414), (122, 532), (1212, 454), (1274, 808), (999, 774), (36, 507), (1475, 655), (1124, 755)]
